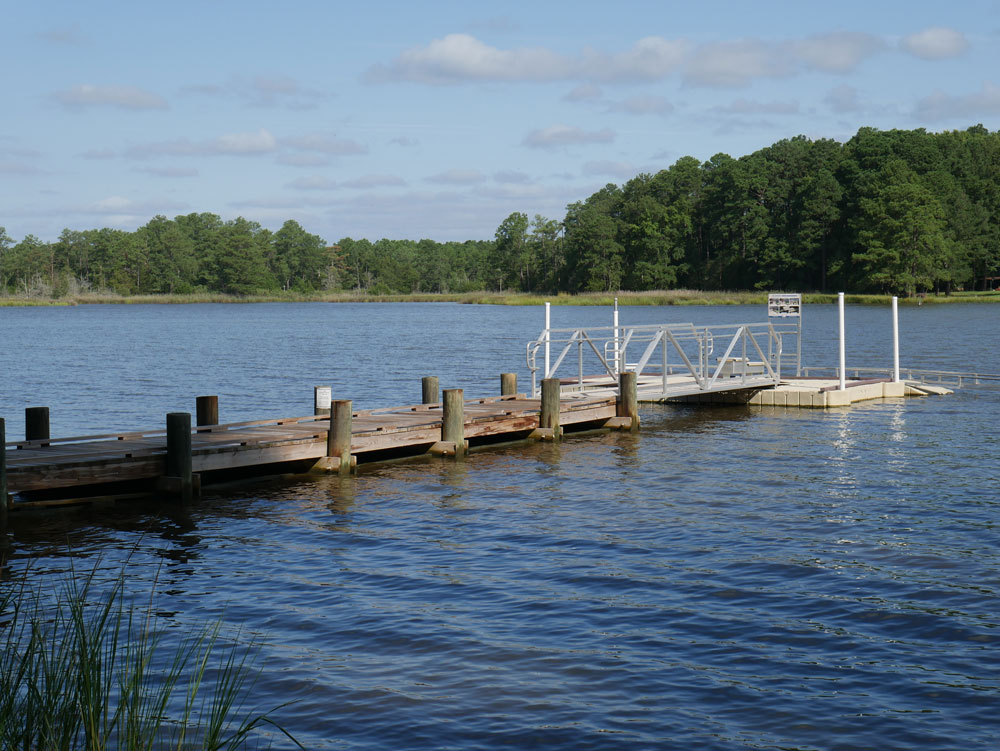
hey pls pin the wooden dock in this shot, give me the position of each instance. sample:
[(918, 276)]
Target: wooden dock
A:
[(48, 471)]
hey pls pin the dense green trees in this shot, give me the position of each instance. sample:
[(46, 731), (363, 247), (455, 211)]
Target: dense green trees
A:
[(887, 211)]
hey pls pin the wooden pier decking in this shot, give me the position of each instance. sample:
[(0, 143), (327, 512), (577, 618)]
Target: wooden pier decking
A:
[(43, 471)]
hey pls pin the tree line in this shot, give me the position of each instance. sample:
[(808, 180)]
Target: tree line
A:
[(900, 211)]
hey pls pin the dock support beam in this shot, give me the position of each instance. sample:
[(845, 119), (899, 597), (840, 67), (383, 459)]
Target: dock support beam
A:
[(3, 483), (452, 424), (508, 384), (36, 424), (628, 398), (207, 410), (548, 418), (179, 481), (429, 390)]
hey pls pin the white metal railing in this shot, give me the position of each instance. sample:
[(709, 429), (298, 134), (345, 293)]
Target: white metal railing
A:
[(747, 351), (951, 377)]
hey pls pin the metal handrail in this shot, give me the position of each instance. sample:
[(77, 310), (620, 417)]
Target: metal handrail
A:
[(694, 345), (955, 378)]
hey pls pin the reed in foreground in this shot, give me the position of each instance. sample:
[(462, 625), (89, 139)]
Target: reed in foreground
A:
[(88, 670)]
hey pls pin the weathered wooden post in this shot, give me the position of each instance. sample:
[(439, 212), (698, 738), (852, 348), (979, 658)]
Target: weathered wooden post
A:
[(178, 476), (338, 439), (207, 410), (508, 384), (453, 421), (3, 482), (321, 399), (548, 420), (36, 424), (628, 398), (429, 390)]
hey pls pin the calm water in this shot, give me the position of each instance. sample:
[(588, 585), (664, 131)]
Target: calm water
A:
[(729, 578)]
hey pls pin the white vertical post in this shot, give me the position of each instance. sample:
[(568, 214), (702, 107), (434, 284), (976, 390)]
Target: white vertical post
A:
[(843, 357), (548, 325), (895, 339), (618, 367)]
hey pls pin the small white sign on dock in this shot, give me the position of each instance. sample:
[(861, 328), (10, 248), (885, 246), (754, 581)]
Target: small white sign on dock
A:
[(784, 306)]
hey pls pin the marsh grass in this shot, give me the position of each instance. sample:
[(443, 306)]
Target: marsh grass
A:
[(88, 670), (652, 298)]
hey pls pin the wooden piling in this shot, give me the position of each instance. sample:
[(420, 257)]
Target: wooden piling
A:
[(508, 384), (178, 480), (453, 422), (207, 410), (548, 419), (322, 396), (628, 398), (36, 424), (338, 439), (429, 389), (3, 482)]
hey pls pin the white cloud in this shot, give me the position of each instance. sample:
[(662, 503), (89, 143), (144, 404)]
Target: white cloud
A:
[(460, 58), (325, 144), (556, 136), (584, 92), (404, 141), (843, 99), (644, 105), (936, 43), (121, 97), (232, 144), (314, 182), (168, 171), (736, 63), (264, 90), (512, 177), (979, 105), (458, 177), (302, 159), (755, 107), (99, 154), (366, 182), (838, 51)]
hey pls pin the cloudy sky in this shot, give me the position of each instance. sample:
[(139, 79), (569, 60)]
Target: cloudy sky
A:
[(438, 119)]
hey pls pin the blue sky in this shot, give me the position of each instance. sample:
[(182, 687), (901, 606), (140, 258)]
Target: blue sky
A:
[(438, 119)]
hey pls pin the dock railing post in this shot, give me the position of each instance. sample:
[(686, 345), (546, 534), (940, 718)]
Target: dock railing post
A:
[(207, 411), (895, 339), (429, 390), (338, 439), (508, 384), (36, 424), (3, 483), (453, 421), (628, 397), (548, 418), (321, 399), (548, 337), (179, 477), (843, 358)]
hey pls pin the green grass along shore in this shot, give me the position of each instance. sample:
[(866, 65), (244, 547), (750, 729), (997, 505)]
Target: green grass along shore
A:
[(662, 297)]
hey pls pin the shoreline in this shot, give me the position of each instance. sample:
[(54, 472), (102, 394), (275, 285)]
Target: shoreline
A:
[(655, 298)]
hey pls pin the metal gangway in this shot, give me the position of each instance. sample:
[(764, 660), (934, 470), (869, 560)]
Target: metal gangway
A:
[(670, 360)]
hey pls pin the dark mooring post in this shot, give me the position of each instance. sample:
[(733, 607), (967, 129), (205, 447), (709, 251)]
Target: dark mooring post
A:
[(3, 482), (321, 399), (548, 420), (179, 480), (338, 439), (508, 384), (453, 424), (207, 410), (628, 397), (429, 390), (36, 424)]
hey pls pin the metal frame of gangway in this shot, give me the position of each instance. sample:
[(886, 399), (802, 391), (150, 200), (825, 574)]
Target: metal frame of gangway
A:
[(610, 344)]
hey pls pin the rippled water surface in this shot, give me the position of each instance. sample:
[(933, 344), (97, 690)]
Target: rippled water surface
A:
[(730, 577)]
